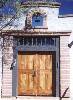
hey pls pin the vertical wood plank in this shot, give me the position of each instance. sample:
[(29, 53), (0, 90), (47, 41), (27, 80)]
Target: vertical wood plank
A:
[(30, 73), (19, 85), (42, 73), (48, 79)]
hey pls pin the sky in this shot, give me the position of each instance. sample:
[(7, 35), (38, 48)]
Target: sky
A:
[(65, 8)]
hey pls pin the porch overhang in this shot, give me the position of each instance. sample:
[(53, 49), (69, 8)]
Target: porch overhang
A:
[(35, 32)]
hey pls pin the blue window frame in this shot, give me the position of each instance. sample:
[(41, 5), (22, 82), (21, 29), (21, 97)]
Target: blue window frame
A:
[(37, 21)]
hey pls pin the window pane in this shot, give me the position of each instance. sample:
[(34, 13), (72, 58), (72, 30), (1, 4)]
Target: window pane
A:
[(51, 41), (39, 41), (37, 21), (43, 41), (21, 41), (34, 40), (29, 41), (25, 41)]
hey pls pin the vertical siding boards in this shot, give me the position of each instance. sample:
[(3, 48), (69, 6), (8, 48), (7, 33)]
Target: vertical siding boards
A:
[(64, 65), (1, 40), (7, 61)]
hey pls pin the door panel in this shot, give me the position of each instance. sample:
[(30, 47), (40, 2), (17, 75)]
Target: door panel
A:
[(34, 74), (25, 71), (45, 78)]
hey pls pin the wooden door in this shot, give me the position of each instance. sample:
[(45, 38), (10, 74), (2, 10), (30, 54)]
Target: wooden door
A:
[(35, 74)]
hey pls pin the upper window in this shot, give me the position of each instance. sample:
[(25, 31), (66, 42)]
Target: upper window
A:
[(37, 21)]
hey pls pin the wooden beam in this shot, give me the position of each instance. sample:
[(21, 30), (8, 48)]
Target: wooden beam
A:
[(35, 33)]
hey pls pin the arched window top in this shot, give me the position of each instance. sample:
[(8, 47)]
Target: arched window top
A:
[(36, 18)]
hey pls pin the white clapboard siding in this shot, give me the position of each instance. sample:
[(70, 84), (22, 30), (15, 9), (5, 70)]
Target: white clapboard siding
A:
[(64, 65), (1, 40), (7, 61)]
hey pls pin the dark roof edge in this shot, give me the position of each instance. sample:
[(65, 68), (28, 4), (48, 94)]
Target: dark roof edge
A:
[(45, 4), (66, 15)]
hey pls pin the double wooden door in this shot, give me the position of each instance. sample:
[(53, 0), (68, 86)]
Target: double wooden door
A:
[(35, 74)]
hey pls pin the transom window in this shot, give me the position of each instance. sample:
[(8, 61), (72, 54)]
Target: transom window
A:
[(36, 41)]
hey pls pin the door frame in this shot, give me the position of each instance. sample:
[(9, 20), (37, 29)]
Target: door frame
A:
[(54, 48)]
